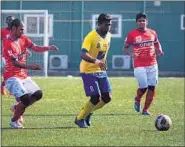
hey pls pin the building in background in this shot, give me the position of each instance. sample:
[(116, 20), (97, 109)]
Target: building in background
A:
[(70, 21)]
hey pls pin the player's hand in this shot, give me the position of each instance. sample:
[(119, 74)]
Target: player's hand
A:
[(101, 64), (35, 67), (28, 53), (161, 53), (53, 48)]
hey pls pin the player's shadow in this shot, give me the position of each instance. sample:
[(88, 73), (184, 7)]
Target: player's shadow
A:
[(152, 130), (39, 128), (103, 114)]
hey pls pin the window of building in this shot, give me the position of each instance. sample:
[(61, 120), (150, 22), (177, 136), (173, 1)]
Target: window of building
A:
[(34, 25), (116, 28)]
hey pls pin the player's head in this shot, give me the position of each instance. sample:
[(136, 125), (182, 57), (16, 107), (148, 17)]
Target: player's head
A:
[(104, 22), (141, 20), (17, 28), (9, 20)]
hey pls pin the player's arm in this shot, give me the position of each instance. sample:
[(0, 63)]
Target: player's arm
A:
[(126, 47), (158, 48), (158, 45), (25, 66), (13, 57), (87, 57), (38, 48)]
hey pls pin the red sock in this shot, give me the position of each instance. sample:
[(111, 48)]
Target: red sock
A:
[(3, 83), (20, 108), (139, 96), (149, 99), (3, 91)]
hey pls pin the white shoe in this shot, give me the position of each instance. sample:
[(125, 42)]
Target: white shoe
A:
[(16, 125)]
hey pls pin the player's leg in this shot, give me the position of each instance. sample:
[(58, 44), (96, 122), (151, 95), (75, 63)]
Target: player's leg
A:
[(152, 74), (141, 77), (34, 92), (91, 88), (33, 89), (3, 90), (94, 100), (16, 87), (13, 107), (105, 88)]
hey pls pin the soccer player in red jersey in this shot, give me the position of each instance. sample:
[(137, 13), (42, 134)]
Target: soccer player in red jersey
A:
[(4, 34), (15, 74), (144, 42)]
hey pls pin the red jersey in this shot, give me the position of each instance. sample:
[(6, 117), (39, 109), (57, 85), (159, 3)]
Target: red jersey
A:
[(15, 49), (143, 46), (4, 33)]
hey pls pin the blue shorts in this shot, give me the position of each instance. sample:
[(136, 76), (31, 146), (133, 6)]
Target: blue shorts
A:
[(96, 83)]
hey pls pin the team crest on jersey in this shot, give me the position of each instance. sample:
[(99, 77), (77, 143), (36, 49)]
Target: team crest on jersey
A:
[(138, 39), (98, 45)]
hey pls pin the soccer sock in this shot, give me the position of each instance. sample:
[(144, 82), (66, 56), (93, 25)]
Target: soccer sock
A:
[(149, 99), (20, 109), (3, 91), (139, 95), (85, 110), (18, 100), (99, 105)]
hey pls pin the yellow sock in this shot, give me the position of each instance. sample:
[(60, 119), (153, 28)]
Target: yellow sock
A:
[(99, 105), (85, 110)]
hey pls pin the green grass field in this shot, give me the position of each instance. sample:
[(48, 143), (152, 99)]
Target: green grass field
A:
[(50, 122)]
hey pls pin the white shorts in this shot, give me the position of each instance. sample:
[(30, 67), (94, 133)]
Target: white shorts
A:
[(146, 76), (19, 87)]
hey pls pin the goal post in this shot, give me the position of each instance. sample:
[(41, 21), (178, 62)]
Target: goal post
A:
[(36, 28)]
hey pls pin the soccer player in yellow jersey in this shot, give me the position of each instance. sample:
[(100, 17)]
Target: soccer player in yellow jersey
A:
[(93, 70)]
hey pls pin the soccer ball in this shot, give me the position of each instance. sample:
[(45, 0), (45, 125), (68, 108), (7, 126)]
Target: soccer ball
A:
[(163, 122)]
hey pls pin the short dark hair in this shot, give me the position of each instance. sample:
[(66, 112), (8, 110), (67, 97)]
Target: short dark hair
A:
[(16, 23), (103, 17), (141, 15), (9, 19)]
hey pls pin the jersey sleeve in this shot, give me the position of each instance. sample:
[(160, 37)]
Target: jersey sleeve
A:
[(28, 43), (129, 39), (87, 43)]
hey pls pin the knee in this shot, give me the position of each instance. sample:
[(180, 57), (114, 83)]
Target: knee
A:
[(37, 95), (25, 99), (143, 90), (106, 97), (95, 99), (152, 88)]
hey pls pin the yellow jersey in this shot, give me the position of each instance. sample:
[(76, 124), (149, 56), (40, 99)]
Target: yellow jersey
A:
[(97, 47)]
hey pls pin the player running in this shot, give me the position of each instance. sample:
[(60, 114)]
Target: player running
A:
[(93, 70), (144, 41)]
